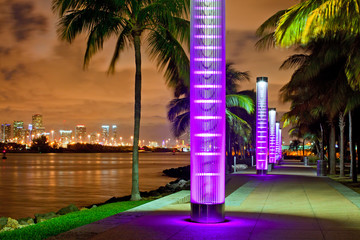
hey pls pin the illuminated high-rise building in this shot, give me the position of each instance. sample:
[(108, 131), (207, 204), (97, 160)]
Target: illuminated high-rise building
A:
[(5, 132), (105, 133), (18, 132), (114, 133), (80, 133), (65, 136), (37, 125)]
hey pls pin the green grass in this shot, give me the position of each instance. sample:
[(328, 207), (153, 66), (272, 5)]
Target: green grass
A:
[(347, 182), (69, 221)]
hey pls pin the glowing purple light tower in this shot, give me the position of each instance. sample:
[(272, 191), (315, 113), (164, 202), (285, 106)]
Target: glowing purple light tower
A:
[(261, 125), (272, 136), (277, 146), (207, 110)]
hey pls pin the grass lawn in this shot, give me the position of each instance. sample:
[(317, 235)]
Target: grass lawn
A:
[(69, 221), (347, 182)]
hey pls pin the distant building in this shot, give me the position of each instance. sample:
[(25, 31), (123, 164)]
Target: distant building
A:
[(18, 133), (105, 133), (114, 134), (93, 138), (5, 132), (80, 133), (37, 125), (65, 136), (153, 144)]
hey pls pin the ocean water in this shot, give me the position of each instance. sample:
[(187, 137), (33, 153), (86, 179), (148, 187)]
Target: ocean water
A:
[(40, 183)]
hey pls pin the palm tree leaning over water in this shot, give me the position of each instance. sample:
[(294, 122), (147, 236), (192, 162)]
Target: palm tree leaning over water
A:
[(160, 23)]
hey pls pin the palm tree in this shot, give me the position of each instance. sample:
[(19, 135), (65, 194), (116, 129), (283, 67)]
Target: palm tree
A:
[(319, 19), (159, 23), (314, 20), (322, 83)]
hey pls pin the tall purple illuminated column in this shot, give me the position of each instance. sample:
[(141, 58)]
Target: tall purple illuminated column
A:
[(272, 136), (277, 126), (261, 125), (207, 110)]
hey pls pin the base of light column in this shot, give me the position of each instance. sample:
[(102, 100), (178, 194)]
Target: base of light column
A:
[(261, 171), (204, 213)]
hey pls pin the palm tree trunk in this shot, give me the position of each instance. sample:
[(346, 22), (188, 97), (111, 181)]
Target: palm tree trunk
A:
[(332, 157), (135, 193), (342, 129), (352, 160), (358, 156), (303, 147)]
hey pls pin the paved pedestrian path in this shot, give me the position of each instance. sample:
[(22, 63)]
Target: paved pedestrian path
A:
[(289, 203)]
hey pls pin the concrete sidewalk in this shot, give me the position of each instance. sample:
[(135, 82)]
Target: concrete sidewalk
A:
[(289, 203)]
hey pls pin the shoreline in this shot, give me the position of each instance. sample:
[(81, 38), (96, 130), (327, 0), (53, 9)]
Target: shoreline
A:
[(171, 187)]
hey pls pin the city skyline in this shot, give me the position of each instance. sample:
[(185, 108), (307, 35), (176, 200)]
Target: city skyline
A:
[(42, 74), (105, 134)]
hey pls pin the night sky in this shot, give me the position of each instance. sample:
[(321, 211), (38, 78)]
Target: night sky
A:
[(41, 74)]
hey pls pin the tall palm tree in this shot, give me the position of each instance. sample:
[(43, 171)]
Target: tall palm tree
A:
[(320, 82), (313, 20), (160, 23)]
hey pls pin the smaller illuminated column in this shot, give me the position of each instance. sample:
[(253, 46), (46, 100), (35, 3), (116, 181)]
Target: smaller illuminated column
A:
[(277, 129), (280, 146), (261, 125), (272, 136)]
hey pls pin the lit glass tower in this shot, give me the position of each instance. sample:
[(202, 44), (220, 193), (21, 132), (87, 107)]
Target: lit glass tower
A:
[(261, 125), (105, 133), (207, 110), (80, 133), (272, 135), (18, 127)]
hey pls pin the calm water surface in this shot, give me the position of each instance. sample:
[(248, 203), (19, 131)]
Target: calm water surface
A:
[(39, 183)]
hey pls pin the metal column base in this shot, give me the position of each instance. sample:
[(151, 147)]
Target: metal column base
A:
[(261, 172), (204, 213)]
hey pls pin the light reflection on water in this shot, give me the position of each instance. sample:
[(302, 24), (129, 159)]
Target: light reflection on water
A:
[(39, 183)]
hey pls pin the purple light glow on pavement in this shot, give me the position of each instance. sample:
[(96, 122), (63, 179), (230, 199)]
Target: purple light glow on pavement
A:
[(272, 135), (207, 102), (261, 124)]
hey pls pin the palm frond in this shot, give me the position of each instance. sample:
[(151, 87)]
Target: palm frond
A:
[(121, 44), (169, 55), (180, 124), (178, 106), (266, 42), (238, 125), (294, 60), (240, 101)]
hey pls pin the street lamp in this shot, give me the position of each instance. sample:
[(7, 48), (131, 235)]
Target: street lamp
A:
[(272, 136), (261, 125)]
